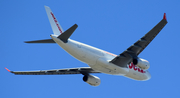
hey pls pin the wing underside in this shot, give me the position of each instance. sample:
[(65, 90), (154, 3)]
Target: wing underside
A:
[(134, 50), (81, 70)]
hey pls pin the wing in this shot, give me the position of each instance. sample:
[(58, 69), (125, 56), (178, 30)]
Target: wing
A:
[(81, 70), (133, 51)]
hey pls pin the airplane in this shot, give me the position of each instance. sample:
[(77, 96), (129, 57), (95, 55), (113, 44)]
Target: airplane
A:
[(126, 64)]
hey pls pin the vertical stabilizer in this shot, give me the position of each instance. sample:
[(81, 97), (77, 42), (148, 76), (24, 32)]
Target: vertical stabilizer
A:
[(56, 27)]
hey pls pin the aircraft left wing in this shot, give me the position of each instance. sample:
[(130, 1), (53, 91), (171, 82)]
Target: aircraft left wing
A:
[(80, 70), (134, 50)]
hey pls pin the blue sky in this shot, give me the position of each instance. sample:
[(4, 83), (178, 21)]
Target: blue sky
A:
[(111, 25)]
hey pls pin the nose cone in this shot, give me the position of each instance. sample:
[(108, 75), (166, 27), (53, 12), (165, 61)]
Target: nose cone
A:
[(147, 75)]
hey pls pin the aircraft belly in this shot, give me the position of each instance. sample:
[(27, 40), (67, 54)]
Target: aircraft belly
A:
[(91, 54), (74, 49), (104, 66), (135, 75), (90, 58), (80, 52)]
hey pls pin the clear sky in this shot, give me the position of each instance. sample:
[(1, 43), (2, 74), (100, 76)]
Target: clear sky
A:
[(111, 25)]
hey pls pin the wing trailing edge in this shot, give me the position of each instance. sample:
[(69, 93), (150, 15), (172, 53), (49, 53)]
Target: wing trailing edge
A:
[(80, 70)]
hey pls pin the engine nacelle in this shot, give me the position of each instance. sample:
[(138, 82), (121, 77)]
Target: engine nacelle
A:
[(141, 63), (92, 80)]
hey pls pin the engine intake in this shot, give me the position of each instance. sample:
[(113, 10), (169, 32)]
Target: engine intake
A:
[(92, 80), (141, 63)]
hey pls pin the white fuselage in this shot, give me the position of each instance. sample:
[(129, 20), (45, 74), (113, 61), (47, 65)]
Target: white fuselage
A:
[(99, 59)]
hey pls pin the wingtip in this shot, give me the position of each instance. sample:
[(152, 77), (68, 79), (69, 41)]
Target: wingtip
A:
[(26, 41), (164, 17), (7, 69)]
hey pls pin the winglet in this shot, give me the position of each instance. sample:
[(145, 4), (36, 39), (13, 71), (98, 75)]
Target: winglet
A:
[(164, 17), (7, 69)]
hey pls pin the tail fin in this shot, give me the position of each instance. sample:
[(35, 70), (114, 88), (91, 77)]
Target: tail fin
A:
[(56, 27)]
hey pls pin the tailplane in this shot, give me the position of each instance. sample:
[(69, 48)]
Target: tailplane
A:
[(63, 37), (41, 41)]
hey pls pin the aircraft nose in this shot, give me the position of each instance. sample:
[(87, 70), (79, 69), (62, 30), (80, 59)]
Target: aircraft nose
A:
[(148, 75)]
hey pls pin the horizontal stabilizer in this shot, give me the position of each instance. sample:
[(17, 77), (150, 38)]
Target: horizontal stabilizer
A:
[(41, 41), (64, 36)]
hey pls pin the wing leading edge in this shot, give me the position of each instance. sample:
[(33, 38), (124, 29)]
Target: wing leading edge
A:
[(134, 50), (81, 70)]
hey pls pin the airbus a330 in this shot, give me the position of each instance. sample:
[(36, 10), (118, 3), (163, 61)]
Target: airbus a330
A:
[(126, 64)]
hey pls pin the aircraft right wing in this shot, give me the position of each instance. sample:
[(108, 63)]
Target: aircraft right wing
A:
[(134, 50), (80, 70)]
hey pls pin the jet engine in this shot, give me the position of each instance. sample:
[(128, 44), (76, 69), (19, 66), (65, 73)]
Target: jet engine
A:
[(141, 63), (92, 80)]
